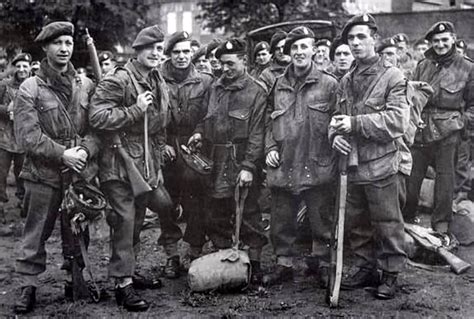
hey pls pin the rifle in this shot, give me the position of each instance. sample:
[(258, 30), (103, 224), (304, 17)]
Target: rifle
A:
[(93, 56), (337, 237), (426, 238)]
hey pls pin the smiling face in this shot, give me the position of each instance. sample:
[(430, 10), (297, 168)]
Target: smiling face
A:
[(322, 54), (202, 64), (150, 56), (59, 51), (443, 42), (233, 66), (181, 55), (22, 70), (302, 52), (361, 40)]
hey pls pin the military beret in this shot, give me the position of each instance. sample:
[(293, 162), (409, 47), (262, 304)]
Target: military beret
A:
[(461, 44), (53, 30), (386, 43), (439, 27), (421, 41), (212, 46), (147, 36), (335, 44), (176, 37), (199, 53), (22, 57), (323, 42), (261, 46), (400, 37), (195, 43), (106, 55), (361, 19), (231, 46), (35, 63), (295, 35), (277, 37)]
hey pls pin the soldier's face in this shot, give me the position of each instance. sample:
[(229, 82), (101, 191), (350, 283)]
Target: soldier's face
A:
[(322, 54), (262, 57), (59, 51), (279, 55), (443, 42), (390, 54), (107, 65), (233, 66), (215, 64), (343, 57), (22, 70), (421, 48), (150, 55), (181, 55), (361, 41), (202, 64), (302, 52)]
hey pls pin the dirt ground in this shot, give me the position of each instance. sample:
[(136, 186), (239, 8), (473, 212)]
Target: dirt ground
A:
[(435, 293)]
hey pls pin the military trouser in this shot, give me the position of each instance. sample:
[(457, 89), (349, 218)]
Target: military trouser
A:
[(320, 205), (42, 204), (374, 224), (221, 221), (463, 167), (126, 220), (441, 155), (6, 159)]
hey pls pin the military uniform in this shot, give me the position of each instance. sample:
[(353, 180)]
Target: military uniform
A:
[(452, 78)]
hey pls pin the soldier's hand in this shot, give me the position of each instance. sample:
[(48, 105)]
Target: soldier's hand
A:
[(144, 100), (169, 153), (341, 145), (245, 178), (273, 159), (341, 123), (195, 142), (75, 158)]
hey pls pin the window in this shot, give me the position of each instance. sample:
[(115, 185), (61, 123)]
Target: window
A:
[(171, 22), (188, 21)]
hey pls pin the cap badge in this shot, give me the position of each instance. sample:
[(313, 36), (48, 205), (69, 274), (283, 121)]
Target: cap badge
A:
[(365, 18), (441, 27), (392, 42), (229, 45), (305, 31), (106, 56), (185, 35)]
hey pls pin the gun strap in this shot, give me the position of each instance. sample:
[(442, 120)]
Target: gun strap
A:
[(85, 257)]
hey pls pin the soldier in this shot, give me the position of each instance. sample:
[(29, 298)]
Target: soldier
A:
[(188, 91), (420, 48), (279, 62), (35, 66), (50, 122), (389, 52), (107, 62), (373, 114), (195, 45), (201, 62), (9, 149), (301, 163), (405, 58), (126, 98), (234, 127), (262, 56), (461, 47), (452, 77), (322, 55), (341, 56), (211, 56)]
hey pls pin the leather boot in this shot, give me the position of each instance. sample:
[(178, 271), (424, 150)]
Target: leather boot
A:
[(387, 288), (27, 300), (172, 266), (280, 275), (141, 282), (128, 298), (364, 277)]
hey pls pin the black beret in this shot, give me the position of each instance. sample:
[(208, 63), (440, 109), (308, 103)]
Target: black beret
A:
[(22, 57), (195, 43), (176, 37), (231, 46), (261, 46), (324, 42), (361, 19), (53, 30), (295, 35), (386, 43), (421, 41), (461, 44), (401, 37), (199, 53), (147, 36), (439, 27), (335, 44), (212, 46), (106, 55), (277, 37)]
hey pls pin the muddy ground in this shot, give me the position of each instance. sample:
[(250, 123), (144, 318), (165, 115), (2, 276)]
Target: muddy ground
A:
[(434, 293)]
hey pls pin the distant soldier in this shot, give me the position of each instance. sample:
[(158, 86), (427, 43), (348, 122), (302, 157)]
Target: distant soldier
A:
[(301, 163), (50, 121), (188, 92), (341, 56), (373, 114), (107, 62), (234, 128), (195, 45), (461, 47), (118, 108), (406, 62), (201, 62), (321, 57), (279, 62), (389, 52), (262, 56), (419, 49), (211, 56), (448, 110), (10, 151), (35, 66)]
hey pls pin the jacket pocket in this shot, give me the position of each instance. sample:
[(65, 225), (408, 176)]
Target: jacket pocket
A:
[(451, 95), (319, 149), (278, 125), (374, 105), (443, 124), (240, 123)]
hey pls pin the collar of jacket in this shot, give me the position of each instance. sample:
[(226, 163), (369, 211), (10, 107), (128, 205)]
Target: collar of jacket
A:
[(371, 68), (313, 77), (42, 74), (131, 65), (15, 82), (275, 66), (193, 76), (441, 59), (236, 85)]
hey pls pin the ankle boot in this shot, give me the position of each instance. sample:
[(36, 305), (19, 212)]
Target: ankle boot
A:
[(387, 288), (129, 299), (172, 266)]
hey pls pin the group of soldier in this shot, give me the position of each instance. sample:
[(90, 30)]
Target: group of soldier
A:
[(306, 104)]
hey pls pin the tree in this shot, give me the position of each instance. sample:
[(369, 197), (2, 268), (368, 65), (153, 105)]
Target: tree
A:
[(239, 17)]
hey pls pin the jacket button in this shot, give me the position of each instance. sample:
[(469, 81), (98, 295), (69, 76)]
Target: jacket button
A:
[(308, 175)]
